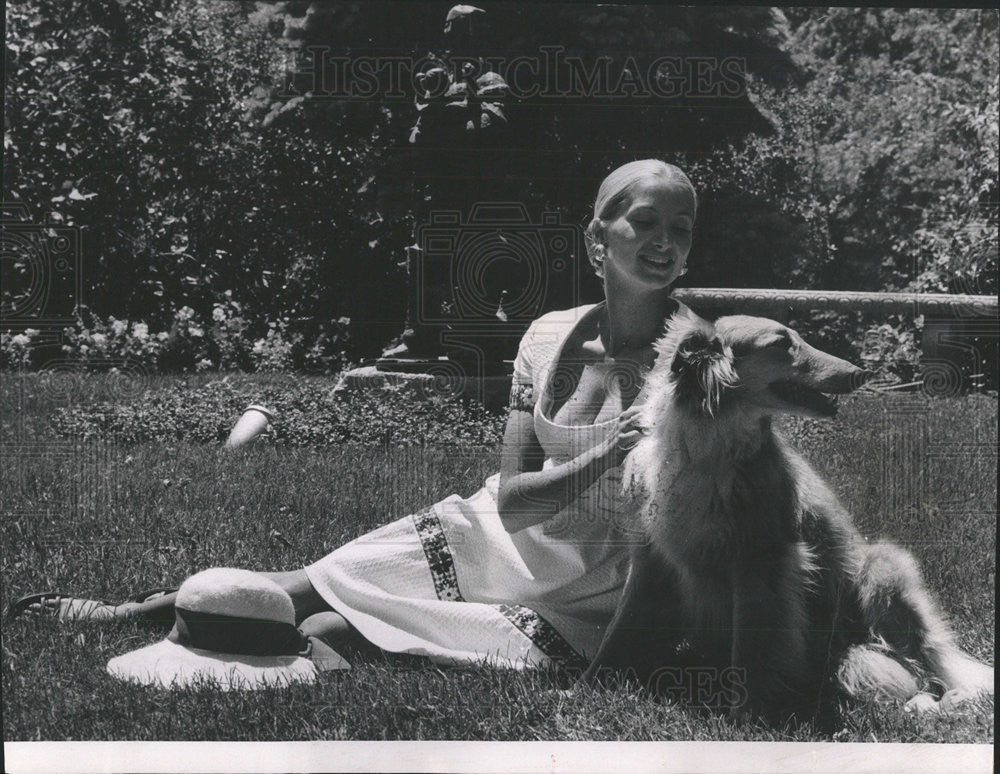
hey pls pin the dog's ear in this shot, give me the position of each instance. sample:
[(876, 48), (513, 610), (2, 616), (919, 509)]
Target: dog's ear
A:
[(702, 369), (695, 348)]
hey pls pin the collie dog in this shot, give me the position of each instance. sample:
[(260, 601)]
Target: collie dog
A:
[(752, 589)]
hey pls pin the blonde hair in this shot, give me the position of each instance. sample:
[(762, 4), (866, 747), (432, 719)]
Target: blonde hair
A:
[(615, 194)]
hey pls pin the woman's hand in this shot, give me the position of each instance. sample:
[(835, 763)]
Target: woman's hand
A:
[(624, 435)]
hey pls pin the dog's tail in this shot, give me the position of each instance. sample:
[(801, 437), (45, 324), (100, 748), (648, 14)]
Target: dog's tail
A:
[(899, 608)]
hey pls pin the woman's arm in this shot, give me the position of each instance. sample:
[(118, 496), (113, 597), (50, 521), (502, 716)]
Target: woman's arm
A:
[(529, 495)]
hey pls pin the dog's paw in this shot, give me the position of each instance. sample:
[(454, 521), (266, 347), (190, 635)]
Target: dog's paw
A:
[(968, 677), (921, 704)]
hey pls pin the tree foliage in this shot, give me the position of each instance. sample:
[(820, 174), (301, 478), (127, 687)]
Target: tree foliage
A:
[(206, 167), (139, 124), (900, 145)]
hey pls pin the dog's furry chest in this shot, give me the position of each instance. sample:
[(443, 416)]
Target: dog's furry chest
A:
[(710, 517), (711, 513)]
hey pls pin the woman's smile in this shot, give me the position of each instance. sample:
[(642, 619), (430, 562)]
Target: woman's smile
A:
[(659, 261)]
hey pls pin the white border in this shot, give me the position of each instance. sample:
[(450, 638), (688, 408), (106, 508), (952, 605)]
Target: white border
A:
[(499, 757)]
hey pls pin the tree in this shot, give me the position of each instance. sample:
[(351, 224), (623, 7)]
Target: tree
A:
[(585, 88)]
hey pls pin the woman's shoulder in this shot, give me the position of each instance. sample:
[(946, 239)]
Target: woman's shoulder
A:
[(561, 318), (547, 331), (541, 340)]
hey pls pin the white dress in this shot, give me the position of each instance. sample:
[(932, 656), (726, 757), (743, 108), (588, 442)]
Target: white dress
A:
[(450, 583)]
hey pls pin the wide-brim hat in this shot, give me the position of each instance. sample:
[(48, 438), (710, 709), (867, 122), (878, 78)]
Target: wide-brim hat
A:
[(233, 630)]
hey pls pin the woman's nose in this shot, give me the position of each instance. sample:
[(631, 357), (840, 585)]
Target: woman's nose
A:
[(661, 242)]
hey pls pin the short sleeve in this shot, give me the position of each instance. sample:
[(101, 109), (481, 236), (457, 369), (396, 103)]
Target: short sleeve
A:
[(522, 387)]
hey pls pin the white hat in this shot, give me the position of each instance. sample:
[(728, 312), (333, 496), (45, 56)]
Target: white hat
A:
[(234, 629)]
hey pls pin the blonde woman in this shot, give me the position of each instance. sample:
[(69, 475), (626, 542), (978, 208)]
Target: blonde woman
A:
[(528, 570)]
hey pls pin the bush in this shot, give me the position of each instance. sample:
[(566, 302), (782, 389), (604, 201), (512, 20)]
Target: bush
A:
[(140, 125), (226, 341)]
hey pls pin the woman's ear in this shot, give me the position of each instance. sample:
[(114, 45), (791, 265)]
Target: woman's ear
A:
[(596, 251), (597, 231)]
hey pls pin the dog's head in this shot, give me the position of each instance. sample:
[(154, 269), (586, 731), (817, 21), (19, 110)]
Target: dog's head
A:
[(752, 362)]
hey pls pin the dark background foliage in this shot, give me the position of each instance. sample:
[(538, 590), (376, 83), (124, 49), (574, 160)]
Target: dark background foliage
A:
[(248, 218)]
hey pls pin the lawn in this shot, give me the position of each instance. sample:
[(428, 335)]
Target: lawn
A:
[(141, 503)]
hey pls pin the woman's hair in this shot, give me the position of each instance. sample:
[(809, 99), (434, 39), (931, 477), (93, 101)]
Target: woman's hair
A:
[(614, 196)]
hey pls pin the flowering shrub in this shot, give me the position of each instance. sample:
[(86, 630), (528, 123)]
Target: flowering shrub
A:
[(15, 348), (191, 344), (274, 352), (228, 333), (892, 348), (306, 415)]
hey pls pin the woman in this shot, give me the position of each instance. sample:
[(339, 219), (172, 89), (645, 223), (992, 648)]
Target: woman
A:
[(528, 570)]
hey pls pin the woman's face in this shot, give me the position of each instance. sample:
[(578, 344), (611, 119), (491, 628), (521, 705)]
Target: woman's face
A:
[(648, 243)]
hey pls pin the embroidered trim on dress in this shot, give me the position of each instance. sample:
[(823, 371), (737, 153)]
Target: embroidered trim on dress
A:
[(439, 558), (442, 566), (522, 397), (542, 634)]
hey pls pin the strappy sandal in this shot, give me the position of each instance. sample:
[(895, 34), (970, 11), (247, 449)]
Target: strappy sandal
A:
[(146, 596), (44, 599)]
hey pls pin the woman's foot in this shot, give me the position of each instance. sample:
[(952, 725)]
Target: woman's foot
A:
[(152, 604), (76, 609)]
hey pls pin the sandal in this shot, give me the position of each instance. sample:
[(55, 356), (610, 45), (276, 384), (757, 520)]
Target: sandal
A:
[(146, 596), (21, 606), (48, 603)]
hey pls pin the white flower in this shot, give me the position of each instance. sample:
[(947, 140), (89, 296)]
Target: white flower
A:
[(140, 331), (218, 314), (118, 327), (185, 313), (195, 331), (20, 340), (162, 336), (31, 332), (99, 339), (203, 364)]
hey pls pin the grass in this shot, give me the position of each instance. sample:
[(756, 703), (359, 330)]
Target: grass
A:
[(104, 518)]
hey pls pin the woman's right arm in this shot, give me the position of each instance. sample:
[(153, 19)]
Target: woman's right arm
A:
[(529, 495)]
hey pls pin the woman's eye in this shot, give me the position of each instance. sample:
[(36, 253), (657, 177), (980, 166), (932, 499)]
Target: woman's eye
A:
[(779, 343), (640, 223)]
